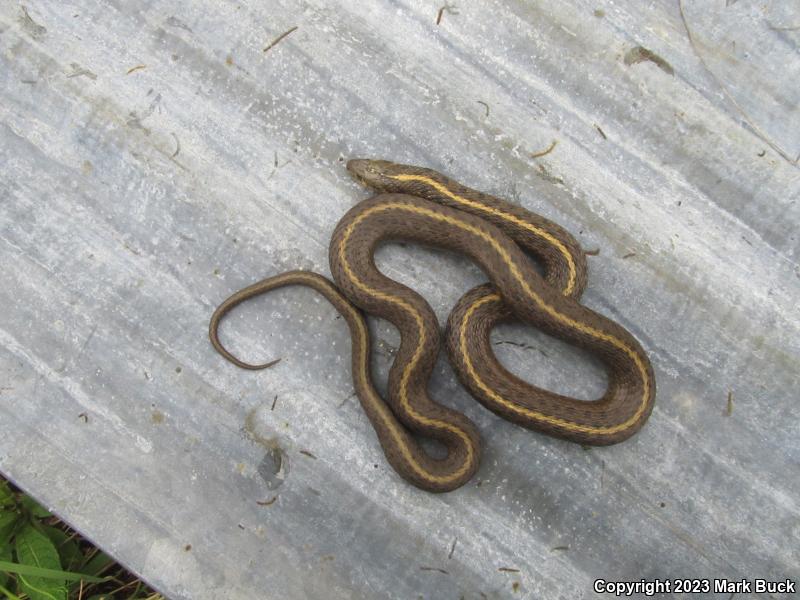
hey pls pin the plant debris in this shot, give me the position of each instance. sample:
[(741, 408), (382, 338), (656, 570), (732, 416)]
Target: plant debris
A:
[(485, 105), (343, 402), (756, 129), (549, 177), (546, 151), (601, 132), (602, 474), (77, 71), (136, 68), (177, 146), (639, 54), (278, 39), (517, 344), (451, 8), (434, 569)]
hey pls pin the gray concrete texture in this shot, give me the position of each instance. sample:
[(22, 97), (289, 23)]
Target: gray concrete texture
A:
[(154, 159)]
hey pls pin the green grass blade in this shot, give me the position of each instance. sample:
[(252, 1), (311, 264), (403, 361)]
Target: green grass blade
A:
[(9, 567), (5, 555), (8, 594)]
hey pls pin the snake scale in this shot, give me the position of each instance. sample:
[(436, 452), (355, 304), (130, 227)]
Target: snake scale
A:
[(424, 206)]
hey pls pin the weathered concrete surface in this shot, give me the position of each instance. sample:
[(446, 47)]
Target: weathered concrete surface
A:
[(154, 159)]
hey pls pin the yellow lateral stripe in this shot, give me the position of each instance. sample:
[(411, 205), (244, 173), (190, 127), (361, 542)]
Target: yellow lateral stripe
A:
[(407, 371), (569, 425), (386, 415), (504, 215), (527, 412)]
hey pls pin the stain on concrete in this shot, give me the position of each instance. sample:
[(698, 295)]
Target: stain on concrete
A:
[(273, 467), (34, 29)]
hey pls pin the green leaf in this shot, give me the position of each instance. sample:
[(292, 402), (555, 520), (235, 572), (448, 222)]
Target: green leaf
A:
[(98, 563), (30, 570), (6, 496), (67, 546), (9, 520), (36, 509), (34, 549)]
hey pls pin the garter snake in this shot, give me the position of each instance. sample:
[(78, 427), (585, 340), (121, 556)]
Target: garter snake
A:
[(425, 206)]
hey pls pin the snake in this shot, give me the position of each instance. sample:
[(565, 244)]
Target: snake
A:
[(537, 274)]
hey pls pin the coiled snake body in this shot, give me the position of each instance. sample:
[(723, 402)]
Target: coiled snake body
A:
[(424, 206)]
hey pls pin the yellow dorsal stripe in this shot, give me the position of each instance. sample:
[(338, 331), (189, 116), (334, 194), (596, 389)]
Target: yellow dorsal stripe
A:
[(407, 371), (616, 342), (442, 189), (527, 412), (385, 414)]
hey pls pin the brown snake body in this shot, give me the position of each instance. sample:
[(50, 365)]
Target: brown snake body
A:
[(424, 206)]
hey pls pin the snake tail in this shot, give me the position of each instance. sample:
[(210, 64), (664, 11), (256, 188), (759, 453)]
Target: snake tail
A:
[(403, 452)]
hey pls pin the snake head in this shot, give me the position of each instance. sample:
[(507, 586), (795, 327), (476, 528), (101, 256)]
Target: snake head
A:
[(374, 173)]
